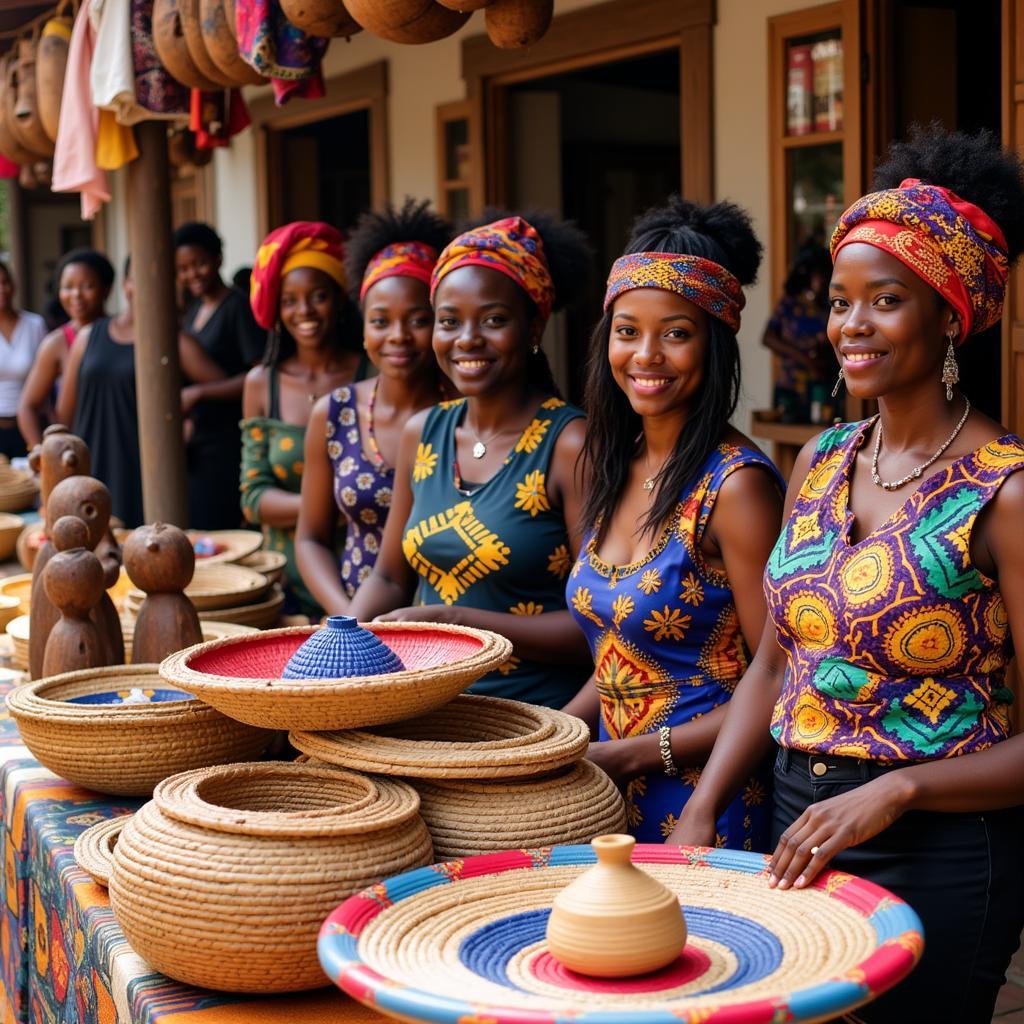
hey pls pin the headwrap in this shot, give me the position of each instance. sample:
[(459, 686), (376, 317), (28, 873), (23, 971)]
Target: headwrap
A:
[(705, 283), (951, 244), (510, 246), (400, 259), (302, 243)]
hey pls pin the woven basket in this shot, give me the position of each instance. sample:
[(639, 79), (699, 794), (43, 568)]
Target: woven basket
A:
[(569, 806), (469, 738), (261, 615), (10, 608), (241, 676), (17, 490), (231, 545), (17, 630), (94, 848), (10, 528), (270, 563), (124, 749), (223, 879), (218, 586), (19, 586)]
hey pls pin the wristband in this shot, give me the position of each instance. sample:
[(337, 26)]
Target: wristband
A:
[(665, 746)]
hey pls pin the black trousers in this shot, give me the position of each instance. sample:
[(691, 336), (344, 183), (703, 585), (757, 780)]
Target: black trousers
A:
[(962, 873), (12, 444)]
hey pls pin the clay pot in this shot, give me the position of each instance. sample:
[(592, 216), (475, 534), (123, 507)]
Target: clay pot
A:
[(172, 48), (514, 24), (321, 17), (406, 21), (26, 108), (464, 5), (192, 29), (10, 145), (615, 920), (220, 44), (51, 60)]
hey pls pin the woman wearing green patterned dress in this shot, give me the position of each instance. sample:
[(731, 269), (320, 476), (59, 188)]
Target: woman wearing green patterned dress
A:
[(297, 292), (483, 523)]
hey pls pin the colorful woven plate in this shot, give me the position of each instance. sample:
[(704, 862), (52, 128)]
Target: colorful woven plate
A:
[(464, 941)]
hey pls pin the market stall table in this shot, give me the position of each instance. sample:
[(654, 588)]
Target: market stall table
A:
[(63, 956)]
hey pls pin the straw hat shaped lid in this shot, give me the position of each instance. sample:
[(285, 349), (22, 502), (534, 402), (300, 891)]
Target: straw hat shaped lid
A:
[(341, 650)]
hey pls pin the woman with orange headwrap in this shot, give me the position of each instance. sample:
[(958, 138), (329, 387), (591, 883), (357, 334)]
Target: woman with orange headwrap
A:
[(896, 592), (297, 292), (483, 523)]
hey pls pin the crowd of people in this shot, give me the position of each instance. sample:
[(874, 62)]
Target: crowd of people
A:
[(814, 671)]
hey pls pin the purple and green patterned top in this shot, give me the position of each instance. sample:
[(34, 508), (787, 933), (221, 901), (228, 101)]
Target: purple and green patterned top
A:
[(897, 645), (362, 489)]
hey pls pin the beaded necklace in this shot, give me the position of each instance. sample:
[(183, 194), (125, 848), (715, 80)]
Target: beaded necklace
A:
[(371, 437)]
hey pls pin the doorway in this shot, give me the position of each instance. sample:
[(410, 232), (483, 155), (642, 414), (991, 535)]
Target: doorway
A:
[(598, 145)]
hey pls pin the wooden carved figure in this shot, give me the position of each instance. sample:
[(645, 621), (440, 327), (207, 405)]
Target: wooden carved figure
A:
[(89, 500), (74, 584), (160, 560)]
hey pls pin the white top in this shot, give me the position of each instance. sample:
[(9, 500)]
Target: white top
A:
[(17, 354)]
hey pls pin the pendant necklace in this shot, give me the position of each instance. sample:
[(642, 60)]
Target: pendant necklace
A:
[(892, 485), (371, 437), (480, 448)]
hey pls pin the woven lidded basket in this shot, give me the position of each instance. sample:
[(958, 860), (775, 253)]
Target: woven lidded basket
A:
[(223, 879), (124, 749), (94, 848), (241, 676), (469, 738), (571, 805)]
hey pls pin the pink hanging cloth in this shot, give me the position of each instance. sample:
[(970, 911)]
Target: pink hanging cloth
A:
[(74, 161)]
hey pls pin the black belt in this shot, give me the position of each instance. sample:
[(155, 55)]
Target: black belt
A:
[(830, 768)]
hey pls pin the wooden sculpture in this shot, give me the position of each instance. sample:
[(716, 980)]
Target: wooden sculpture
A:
[(74, 584), (160, 560)]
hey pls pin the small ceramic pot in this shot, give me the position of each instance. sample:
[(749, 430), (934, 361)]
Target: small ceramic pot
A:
[(615, 920)]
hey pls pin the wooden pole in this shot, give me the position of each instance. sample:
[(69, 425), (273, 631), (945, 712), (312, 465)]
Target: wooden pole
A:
[(157, 374)]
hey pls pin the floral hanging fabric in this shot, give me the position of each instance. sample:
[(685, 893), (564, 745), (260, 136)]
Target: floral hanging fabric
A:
[(274, 47)]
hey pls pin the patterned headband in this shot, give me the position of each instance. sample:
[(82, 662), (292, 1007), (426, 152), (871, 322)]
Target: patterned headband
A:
[(705, 283), (400, 259), (510, 246), (951, 244)]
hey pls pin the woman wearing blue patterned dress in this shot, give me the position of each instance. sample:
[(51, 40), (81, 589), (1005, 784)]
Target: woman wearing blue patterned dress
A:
[(683, 511), (483, 526), (352, 443)]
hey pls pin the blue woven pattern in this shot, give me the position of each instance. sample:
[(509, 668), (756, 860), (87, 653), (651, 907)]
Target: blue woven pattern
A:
[(341, 650)]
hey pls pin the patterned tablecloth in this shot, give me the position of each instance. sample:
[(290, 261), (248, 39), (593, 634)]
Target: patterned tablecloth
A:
[(63, 959)]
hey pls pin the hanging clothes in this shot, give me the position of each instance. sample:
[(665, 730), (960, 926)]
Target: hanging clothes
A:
[(276, 48), (155, 90)]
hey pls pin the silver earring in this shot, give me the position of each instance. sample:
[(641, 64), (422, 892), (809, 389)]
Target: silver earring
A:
[(839, 383), (535, 349), (950, 369)]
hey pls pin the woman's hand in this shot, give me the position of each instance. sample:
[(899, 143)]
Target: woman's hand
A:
[(191, 396), (616, 759), (826, 829), (422, 613), (694, 828)]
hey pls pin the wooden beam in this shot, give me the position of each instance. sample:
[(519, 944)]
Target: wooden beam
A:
[(157, 373)]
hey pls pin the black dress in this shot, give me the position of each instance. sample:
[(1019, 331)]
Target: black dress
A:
[(234, 341), (106, 419)]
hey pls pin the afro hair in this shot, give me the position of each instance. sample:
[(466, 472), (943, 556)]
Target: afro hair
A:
[(95, 261), (202, 236)]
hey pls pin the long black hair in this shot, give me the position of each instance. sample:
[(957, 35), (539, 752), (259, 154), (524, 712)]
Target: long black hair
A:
[(722, 233), (567, 253)]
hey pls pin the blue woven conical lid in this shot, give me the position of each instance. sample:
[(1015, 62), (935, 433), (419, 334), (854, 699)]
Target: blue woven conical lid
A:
[(340, 650)]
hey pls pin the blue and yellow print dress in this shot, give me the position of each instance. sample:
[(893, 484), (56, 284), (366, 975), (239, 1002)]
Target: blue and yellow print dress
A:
[(667, 649), (500, 545)]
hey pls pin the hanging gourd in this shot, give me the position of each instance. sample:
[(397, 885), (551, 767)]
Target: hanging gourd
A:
[(51, 60), (515, 24), (321, 17), (191, 28), (172, 49), (10, 102), (464, 5), (406, 21), (26, 108), (220, 43)]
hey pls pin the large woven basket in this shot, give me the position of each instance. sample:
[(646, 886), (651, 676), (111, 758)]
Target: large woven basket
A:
[(94, 848), (469, 738), (222, 880), (241, 676), (223, 585), (124, 749), (10, 528), (229, 545), (19, 586), (17, 490), (270, 563), (569, 806)]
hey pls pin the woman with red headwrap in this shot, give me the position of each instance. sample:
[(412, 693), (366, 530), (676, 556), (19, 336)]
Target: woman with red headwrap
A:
[(297, 292), (896, 592), (352, 441), (483, 524)]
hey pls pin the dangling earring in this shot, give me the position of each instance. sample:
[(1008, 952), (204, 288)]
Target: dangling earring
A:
[(535, 349), (950, 369), (839, 383)]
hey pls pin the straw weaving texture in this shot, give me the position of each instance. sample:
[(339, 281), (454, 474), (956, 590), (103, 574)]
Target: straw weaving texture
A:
[(241, 676), (94, 848), (223, 585), (270, 563), (237, 545)]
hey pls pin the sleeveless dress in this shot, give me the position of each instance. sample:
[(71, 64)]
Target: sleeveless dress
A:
[(362, 489), (896, 646), (499, 546), (668, 648), (106, 419)]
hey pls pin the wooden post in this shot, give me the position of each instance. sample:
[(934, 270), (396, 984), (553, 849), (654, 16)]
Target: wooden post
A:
[(157, 374)]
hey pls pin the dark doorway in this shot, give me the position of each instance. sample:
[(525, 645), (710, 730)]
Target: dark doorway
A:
[(599, 145), (322, 170)]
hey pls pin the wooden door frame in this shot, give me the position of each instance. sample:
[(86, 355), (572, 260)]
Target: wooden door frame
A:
[(1013, 138), (602, 34), (364, 88)]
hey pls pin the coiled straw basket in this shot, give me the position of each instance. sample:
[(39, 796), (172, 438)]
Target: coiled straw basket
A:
[(223, 878), (124, 749), (94, 848), (241, 676)]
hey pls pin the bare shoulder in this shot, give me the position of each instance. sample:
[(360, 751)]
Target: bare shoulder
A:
[(254, 392), (570, 440)]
